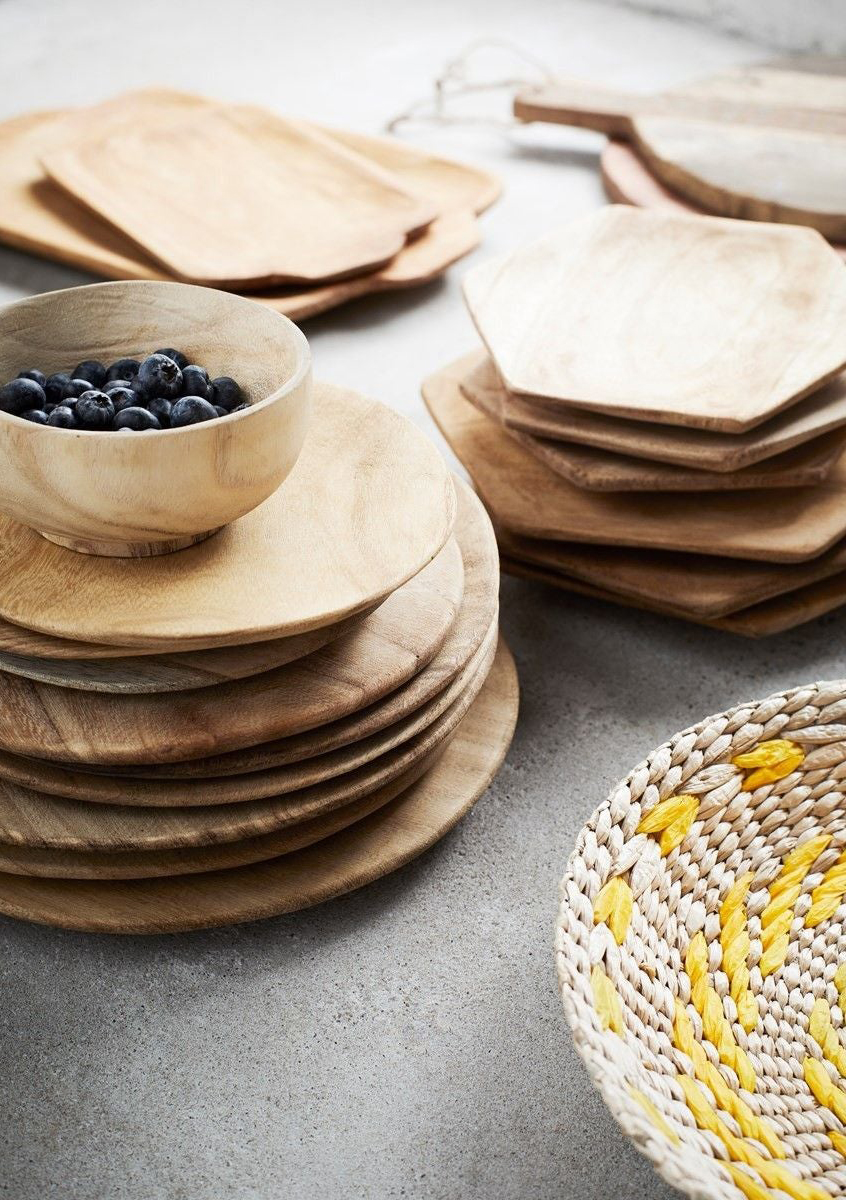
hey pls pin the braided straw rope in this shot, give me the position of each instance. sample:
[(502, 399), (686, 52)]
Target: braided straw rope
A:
[(701, 951)]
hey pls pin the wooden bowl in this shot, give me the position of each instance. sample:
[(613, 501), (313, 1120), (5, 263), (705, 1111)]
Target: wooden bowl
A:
[(149, 493)]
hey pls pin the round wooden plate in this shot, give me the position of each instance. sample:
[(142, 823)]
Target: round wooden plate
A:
[(276, 781), (344, 531), (30, 818), (170, 672), (144, 864), (377, 656), (372, 847)]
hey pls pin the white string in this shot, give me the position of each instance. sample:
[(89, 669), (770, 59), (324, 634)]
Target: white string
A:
[(455, 81)]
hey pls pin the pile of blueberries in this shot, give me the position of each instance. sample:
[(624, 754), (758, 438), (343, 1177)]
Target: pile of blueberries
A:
[(162, 391)]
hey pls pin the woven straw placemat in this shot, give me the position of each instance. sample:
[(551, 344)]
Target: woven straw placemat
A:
[(701, 951)]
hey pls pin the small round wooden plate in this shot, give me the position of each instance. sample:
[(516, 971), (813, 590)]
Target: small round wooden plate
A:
[(377, 656), (374, 846), (275, 781), (29, 818), (344, 531), (170, 672)]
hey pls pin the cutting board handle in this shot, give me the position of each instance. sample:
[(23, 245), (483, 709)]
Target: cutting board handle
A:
[(575, 102)]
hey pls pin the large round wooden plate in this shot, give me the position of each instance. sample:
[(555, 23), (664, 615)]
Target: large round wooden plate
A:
[(372, 847)]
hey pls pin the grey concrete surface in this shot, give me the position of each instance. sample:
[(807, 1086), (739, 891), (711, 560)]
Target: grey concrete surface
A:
[(406, 1041)]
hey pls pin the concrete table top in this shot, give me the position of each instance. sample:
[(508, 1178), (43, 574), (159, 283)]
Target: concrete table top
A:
[(406, 1041)]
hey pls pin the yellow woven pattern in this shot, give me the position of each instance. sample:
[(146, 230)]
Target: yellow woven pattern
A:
[(746, 1183), (773, 760), (708, 1004), (823, 1032), (838, 1141), (672, 819), (654, 1115), (606, 1001), (827, 1092), (826, 896), (734, 940), (774, 1174), (613, 905), (777, 917)]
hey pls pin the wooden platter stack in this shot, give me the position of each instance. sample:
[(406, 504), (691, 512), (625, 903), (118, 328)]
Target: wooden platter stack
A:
[(764, 142), (658, 416), (273, 717), (297, 216)]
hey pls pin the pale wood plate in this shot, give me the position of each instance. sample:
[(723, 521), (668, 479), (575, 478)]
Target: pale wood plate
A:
[(628, 180), (696, 585), (380, 653), (604, 471), (699, 449), (344, 531), (29, 818), (292, 205), (590, 316), (372, 847), (526, 498)]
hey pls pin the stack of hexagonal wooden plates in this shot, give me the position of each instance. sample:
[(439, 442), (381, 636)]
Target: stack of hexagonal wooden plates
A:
[(275, 716), (659, 416), (300, 217)]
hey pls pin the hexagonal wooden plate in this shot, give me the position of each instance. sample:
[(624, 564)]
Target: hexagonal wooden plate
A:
[(657, 316), (526, 498), (374, 846)]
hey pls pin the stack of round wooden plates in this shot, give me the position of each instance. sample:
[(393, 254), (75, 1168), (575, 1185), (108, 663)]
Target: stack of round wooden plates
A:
[(276, 716), (659, 415)]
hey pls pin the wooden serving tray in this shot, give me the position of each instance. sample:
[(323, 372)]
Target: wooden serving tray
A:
[(384, 651), (695, 585), (527, 498), (590, 317), (288, 204), (603, 471), (372, 847), (344, 531), (699, 449)]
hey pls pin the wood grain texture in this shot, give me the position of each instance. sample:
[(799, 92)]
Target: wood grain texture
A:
[(172, 672), (94, 487), (757, 174), (767, 96), (345, 531), (778, 615), (658, 316), (372, 847), (382, 652), (476, 616), (38, 216), (141, 791), (292, 205), (30, 818), (628, 180), (696, 585), (700, 449), (780, 525), (604, 471)]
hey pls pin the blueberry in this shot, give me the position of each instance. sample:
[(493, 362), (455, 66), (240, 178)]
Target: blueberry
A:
[(37, 376), (161, 410), (62, 418), (92, 370), (95, 410), (158, 375), (113, 384), (21, 395), (77, 388), (55, 387), (37, 415), (176, 356), (122, 397), (221, 412), (226, 392), (190, 410), (122, 368), (136, 418), (195, 382)]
